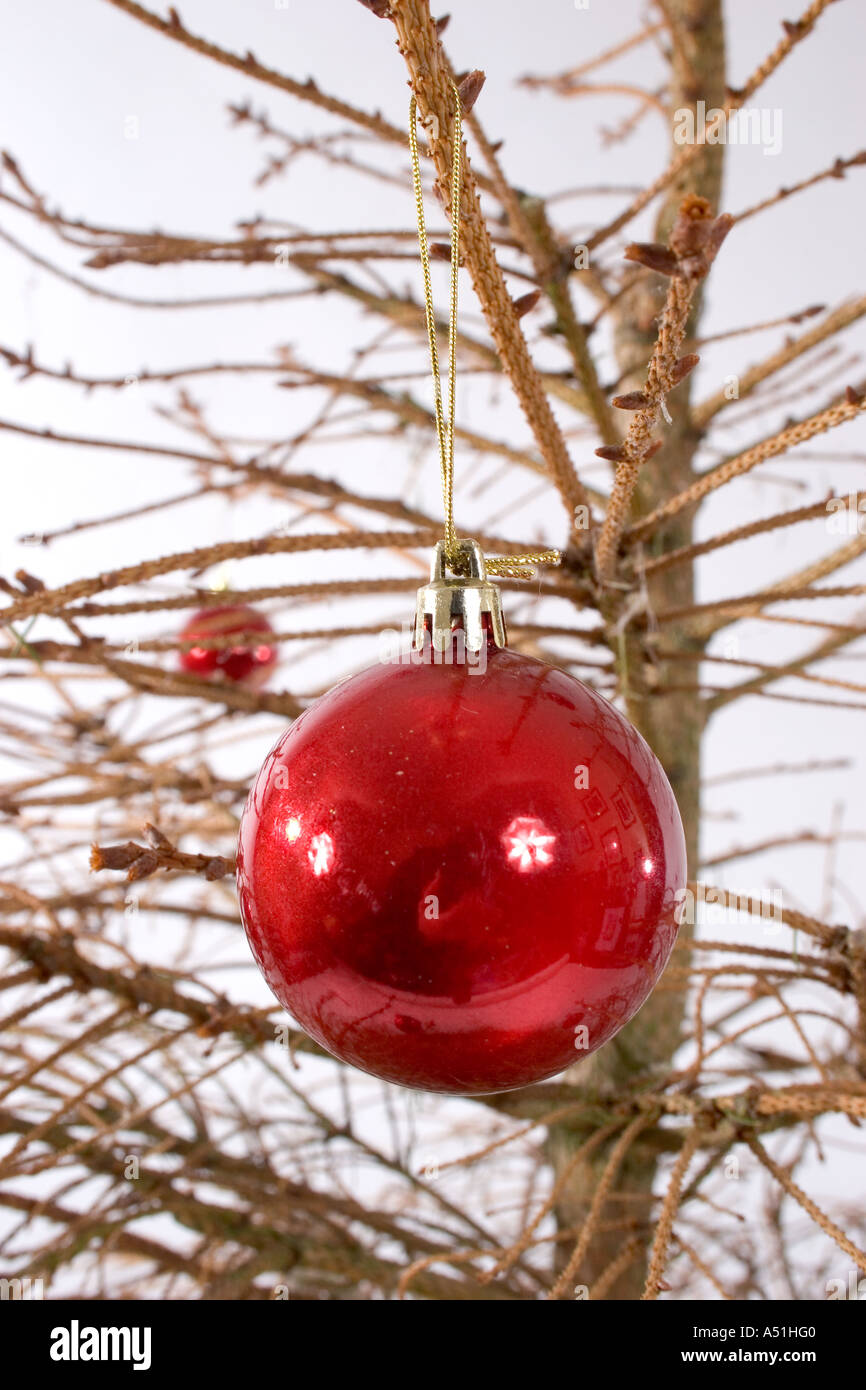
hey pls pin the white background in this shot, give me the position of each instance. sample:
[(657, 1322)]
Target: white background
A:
[(72, 75)]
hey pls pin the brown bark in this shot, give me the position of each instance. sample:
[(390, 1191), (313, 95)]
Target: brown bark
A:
[(671, 722)]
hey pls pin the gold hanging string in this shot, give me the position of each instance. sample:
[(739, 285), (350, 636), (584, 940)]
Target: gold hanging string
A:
[(508, 566), (444, 432)]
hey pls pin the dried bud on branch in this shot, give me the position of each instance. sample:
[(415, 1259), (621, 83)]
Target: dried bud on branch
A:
[(114, 856), (682, 367), (696, 236), (622, 453), (526, 302), (694, 242), (841, 165), (653, 255), (29, 582), (146, 864), (469, 88), (156, 839), (632, 400), (614, 453)]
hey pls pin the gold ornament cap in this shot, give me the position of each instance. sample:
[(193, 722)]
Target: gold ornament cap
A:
[(462, 597)]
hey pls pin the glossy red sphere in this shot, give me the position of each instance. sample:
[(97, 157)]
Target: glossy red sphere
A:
[(461, 877), (245, 662)]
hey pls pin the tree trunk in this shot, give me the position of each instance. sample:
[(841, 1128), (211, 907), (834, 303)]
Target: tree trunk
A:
[(672, 723)]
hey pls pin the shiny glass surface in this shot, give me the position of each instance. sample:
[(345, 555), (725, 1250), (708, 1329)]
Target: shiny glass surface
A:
[(461, 879), (247, 662)]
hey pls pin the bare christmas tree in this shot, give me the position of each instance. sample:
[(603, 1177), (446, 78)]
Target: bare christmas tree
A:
[(164, 1137)]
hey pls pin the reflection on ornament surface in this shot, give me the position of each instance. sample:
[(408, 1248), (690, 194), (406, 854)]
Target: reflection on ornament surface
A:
[(321, 854), (528, 844), (430, 895)]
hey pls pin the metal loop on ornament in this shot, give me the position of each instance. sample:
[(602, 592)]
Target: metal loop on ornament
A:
[(458, 600)]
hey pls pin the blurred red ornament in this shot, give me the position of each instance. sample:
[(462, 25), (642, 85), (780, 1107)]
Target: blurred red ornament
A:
[(461, 876), (246, 662)]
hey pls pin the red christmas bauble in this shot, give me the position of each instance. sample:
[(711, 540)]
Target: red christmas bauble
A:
[(461, 877), (247, 662)]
